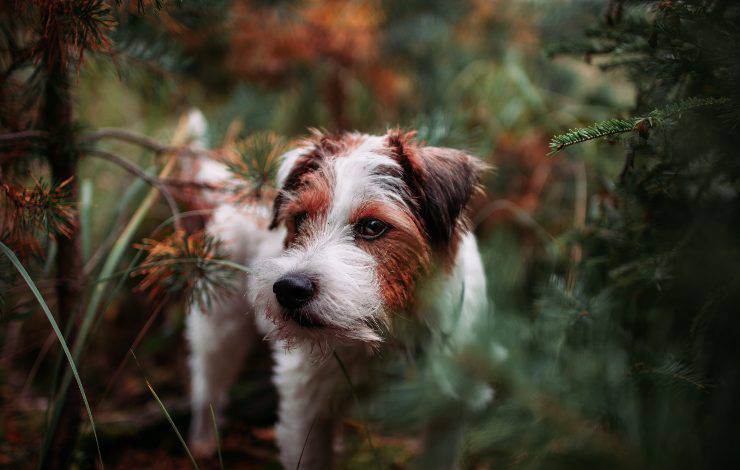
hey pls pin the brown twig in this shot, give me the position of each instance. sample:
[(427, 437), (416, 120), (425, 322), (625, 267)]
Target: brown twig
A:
[(182, 183), (140, 140), (152, 180), (24, 135), (122, 135)]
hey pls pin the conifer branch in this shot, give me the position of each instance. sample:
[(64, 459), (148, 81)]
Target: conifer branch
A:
[(43, 208), (640, 125), (183, 183), (122, 135), (595, 131)]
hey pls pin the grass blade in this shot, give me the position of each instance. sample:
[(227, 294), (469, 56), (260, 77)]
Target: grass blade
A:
[(166, 414), (359, 410), (305, 442), (218, 438), (86, 194), (31, 285), (112, 260)]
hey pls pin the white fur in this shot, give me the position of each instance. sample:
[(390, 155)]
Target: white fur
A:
[(287, 161), (349, 303), (358, 180)]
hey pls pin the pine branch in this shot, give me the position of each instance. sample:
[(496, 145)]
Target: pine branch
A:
[(640, 125), (595, 131), (255, 160), (183, 183), (122, 135), (185, 262), (44, 208), (689, 104)]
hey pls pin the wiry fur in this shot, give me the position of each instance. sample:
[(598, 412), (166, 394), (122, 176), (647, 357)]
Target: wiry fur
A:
[(349, 301), (327, 186)]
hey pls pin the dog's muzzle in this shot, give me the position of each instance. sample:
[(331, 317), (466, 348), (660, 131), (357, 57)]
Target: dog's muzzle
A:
[(294, 290)]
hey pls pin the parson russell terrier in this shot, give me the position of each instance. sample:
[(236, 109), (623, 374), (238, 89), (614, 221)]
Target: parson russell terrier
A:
[(357, 221)]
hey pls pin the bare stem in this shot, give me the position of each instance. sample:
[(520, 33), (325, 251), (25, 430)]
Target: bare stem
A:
[(140, 140), (183, 183), (24, 135), (137, 171)]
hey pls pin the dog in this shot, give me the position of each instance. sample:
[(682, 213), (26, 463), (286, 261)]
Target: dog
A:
[(358, 220)]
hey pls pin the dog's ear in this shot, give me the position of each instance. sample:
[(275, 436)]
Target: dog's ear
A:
[(297, 163), (293, 165), (441, 180)]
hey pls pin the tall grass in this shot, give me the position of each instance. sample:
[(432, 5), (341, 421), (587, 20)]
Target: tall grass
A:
[(123, 242), (73, 367), (166, 413)]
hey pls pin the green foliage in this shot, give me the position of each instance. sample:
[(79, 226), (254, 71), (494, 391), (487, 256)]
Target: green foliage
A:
[(611, 339), (595, 131), (620, 354), (257, 161), (640, 125)]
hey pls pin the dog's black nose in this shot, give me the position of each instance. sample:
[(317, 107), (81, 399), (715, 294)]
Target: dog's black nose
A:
[(293, 290)]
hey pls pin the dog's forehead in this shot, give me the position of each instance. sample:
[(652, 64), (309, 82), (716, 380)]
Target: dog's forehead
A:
[(353, 169), (367, 172)]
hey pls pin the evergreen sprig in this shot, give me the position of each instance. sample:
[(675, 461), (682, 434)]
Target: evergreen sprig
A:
[(41, 209), (597, 130), (184, 262), (641, 124), (256, 160)]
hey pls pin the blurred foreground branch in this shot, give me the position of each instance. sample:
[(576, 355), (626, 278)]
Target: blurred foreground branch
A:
[(152, 180)]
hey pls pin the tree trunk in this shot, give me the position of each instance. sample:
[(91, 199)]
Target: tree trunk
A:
[(57, 120)]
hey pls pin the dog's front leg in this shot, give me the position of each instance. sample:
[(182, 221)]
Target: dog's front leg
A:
[(219, 341), (305, 427)]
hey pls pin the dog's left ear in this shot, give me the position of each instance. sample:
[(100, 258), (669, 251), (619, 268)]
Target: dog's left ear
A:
[(441, 180)]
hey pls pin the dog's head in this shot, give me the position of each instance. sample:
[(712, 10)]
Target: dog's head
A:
[(365, 217)]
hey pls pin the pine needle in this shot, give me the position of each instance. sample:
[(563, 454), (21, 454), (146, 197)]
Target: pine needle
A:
[(218, 438), (359, 409)]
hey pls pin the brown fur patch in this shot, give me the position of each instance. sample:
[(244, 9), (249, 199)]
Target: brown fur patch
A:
[(402, 254), (321, 148), (441, 182), (311, 202)]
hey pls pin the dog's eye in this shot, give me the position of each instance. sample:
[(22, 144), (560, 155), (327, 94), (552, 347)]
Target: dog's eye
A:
[(370, 229), (298, 220)]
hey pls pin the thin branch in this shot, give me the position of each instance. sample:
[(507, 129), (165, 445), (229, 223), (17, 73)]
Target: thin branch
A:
[(140, 140), (182, 183), (23, 135), (152, 180)]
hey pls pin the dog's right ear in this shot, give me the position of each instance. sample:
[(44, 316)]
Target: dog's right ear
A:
[(293, 166), (287, 162)]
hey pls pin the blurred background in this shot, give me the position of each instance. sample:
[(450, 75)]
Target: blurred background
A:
[(611, 264)]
